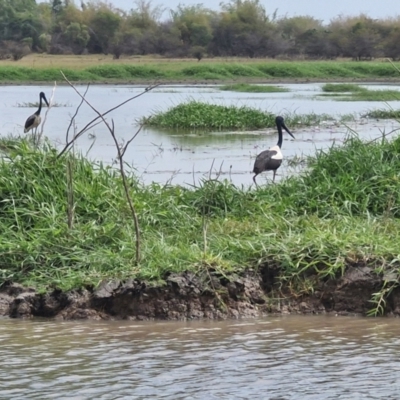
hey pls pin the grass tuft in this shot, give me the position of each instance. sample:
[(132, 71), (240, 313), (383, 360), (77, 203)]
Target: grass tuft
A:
[(244, 87), (204, 116), (199, 115), (383, 114), (358, 93), (341, 87)]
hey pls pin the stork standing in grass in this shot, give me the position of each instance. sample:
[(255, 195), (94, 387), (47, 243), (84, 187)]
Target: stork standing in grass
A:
[(34, 120), (271, 160)]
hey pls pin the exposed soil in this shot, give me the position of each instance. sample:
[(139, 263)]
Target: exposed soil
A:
[(209, 296)]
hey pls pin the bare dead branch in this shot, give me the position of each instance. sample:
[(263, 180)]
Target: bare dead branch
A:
[(90, 124), (128, 196), (130, 140), (75, 114), (121, 165), (383, 135)]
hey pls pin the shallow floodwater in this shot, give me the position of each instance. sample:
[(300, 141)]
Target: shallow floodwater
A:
[(284, 358), (184, 157)]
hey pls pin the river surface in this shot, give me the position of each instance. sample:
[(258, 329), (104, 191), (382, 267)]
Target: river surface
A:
[(294, 357), (184, 157)]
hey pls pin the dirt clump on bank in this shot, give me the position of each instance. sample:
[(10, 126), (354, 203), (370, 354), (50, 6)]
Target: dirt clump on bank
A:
[(210, 295)]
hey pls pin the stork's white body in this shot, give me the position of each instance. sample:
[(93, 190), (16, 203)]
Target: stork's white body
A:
[(271, 159)]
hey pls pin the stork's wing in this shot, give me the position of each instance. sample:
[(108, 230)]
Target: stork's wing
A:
[(263, 160), (29, 122)]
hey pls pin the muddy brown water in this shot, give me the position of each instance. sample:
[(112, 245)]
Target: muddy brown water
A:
[(293, 357), (182, 157)]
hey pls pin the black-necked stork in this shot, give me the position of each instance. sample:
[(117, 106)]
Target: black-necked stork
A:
[(271, 160), (34, 120)]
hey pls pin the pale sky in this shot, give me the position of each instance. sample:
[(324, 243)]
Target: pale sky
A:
[(323, 10)]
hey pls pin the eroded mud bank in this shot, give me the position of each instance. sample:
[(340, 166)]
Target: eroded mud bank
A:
[(208, 295)]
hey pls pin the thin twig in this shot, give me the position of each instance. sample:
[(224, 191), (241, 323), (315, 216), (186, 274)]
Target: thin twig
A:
[(121, 165), (128, 196), (131, 139), (89, 124), (76, 113), (383, 134)]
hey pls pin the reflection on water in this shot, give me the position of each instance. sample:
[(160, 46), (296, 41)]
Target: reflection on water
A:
[(270, 358), (180, 157)]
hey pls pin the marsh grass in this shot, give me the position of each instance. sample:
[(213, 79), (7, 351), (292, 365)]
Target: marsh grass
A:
[(341, 87), (247, 88), (198, 115), (36, 105), (374, 95), (358, 93), (345, 209), (383, 114), (195, 115), (95, 68)]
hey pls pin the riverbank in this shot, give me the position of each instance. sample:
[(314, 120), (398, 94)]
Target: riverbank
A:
[(67, 229), (209, 295), (39, 69)]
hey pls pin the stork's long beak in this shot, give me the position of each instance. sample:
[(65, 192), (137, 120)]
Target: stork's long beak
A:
[(45, 100), (287, 130)]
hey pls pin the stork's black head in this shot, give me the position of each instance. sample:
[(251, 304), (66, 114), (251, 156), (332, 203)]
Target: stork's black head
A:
[(280, 123), (43, 96)]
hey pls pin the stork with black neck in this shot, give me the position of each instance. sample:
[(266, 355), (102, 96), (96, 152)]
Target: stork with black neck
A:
[(271, 160), (34, 120)]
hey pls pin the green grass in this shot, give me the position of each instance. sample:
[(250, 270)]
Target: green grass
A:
[(195, 115), (36, 105), (170, 70), (375, 95), (383, 114), (344, 210), (198, 115), (358, 93), (341, 87), (245, 87)]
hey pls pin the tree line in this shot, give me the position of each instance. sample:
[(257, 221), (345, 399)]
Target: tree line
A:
[(240, 28)]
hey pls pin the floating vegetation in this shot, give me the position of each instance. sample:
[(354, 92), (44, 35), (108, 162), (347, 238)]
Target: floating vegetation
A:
[(341, 88), (358, 93), (36, 104), (198, 115), (203, 116), (374, 95), (383, 114), (244, 87)]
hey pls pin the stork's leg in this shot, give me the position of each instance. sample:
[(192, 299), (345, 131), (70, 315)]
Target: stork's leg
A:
[(34, 136), (273, 179), (254, 179)]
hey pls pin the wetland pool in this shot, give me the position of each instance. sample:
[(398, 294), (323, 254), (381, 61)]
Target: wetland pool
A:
[(184, 157)]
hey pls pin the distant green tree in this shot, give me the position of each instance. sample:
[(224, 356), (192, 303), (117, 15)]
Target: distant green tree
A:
[(103, 25), (242, 29), (391, 44), (19, 19), (77, 36), (194, 24)]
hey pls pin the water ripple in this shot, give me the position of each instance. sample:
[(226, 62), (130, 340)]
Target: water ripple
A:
[(272, 358)]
